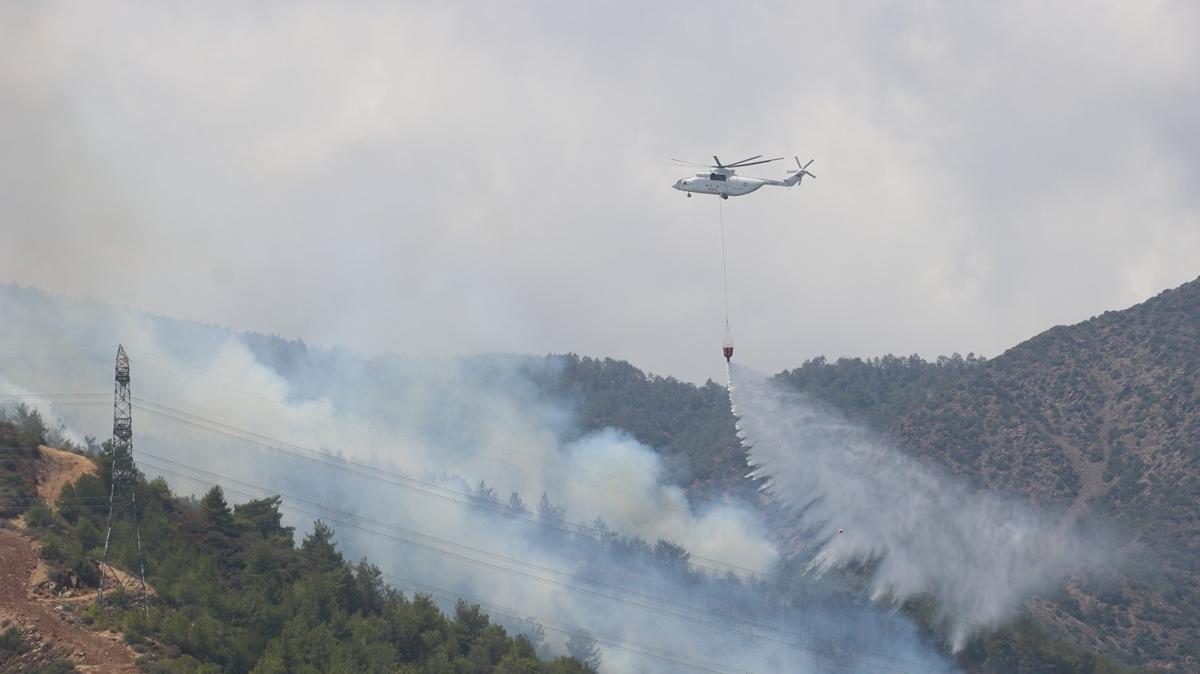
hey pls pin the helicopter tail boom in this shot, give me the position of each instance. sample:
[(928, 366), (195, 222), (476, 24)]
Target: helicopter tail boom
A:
[(798, 175)]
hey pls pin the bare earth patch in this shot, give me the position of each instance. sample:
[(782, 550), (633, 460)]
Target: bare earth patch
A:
[(57, 469), (50, 631)]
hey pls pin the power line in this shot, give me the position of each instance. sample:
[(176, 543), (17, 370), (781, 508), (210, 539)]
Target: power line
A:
[(350, 520), (726, 566), (353, 521), (430, 488), (470, 549), (598, 484), (399, 479), (73, 394), (496, 609), (615, 642), (445, 493), (374, 472)]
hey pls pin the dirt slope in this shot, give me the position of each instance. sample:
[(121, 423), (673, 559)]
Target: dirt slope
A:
[(58, 469), (48, 630), (52, 632)]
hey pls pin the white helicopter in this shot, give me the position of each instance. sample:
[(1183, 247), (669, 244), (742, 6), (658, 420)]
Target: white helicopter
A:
[(722, 179)]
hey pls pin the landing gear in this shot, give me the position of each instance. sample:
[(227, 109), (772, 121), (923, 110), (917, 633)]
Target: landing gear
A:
[(689, 194), (724, 196)]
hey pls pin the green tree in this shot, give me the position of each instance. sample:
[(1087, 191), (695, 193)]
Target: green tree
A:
[(263, 515), (318, 547), (216, 510)]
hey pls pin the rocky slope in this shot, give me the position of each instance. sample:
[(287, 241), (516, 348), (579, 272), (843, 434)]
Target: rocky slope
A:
[(1101, 419)]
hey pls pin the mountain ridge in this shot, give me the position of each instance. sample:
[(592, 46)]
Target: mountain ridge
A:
[(1098, 420), (1102, 418)]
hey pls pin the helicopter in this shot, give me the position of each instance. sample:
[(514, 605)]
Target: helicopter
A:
[(722, 179)]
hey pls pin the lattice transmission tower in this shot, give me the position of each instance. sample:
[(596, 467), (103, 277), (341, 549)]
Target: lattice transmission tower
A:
[(123, 479)]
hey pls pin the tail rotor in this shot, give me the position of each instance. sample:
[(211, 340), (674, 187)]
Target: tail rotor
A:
[(802, 170)]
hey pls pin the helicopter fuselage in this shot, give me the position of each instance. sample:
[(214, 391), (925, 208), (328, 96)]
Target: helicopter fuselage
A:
[(722, 184)]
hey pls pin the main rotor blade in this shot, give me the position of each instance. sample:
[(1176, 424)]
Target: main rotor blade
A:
[(691, 163), (743, 161), (719, 164), (754, 163)]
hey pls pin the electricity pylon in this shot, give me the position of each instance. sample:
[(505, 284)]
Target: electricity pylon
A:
[(123, 478)]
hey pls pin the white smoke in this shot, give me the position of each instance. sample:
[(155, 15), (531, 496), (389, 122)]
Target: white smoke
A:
[(864, 501), (455, 423), (57, 431)]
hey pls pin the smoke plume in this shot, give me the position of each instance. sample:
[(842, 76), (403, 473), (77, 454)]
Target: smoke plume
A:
[(469, 450), (865, 502)]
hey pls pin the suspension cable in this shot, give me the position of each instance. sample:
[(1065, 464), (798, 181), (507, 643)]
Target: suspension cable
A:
[(724, 265)]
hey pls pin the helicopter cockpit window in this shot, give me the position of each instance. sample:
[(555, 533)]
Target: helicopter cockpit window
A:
[(716, 176)]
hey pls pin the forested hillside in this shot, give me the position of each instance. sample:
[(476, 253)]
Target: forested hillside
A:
[(1103, 419), (690, 425), (232, 590), (1100, 421)]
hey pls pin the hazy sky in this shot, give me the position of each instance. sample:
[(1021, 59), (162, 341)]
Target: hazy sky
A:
[(489, 176)]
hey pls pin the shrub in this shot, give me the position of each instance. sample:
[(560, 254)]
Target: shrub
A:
[(40, 516), (10, 641)]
